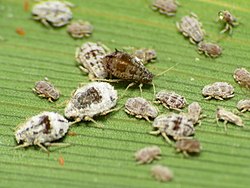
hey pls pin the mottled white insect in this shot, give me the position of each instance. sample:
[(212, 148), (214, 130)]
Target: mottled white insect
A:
[(227, 116), (140, 108), (242, 76), (244, 105), (145, 54), (177, 126), (93, 99), (171, 100), (187, 146), (41, 130), (230, 21), (190, 27), (147, 154), (46, 90), (209, 49), (162, 173), (80, 29), (218, 90), (195, 112), (53, 12), (168, 7), (89, 56)]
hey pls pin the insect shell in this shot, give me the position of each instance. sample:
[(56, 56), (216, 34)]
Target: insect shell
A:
[(243, 105), (146, 55), (171, 100), (209, 49), (89, 56), (226, 17), (162, 173), (168, 7), (177, 126), (188, 146), (227, 116), (47, 90), (93, 99), (128, 68), (41, 130), (218, 90), (80, 29), (190, 27), (242, 76), (147, 154), (194, 112), (140, 108), (53, 12)]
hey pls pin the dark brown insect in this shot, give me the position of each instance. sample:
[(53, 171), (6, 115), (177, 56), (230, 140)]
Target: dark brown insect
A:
[(209, 49), (229, 20), (126, 67), (187, 146), (45, 120)]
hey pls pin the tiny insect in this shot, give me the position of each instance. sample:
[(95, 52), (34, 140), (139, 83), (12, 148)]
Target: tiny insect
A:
[(20, 31), (128, 68), (26, 5), (168, 7), (145, 54), (188, 146), (195, 112), (209, 49), (171, 100), (53, 12), (93, 99), (46, 90), (148, 154), (162, 173), (244, 105), (230, 21), (61, 161), (190, 27), (227, 116), (242, 76), (218, 90), (140, 108), (89, 56), (80, 29), (41, 130), (177, 126)]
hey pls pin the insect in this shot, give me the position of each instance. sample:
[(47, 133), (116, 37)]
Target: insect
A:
[(209, 49), (20, 31), (89, 56), (41, 130), (162, 173), (171, 100), (145, 54), (227, 116), (177, 126), (80, 29), (195, 112), (230, 21), (168, 7), (187, 146), (242, 76), (190, 27), (218, 90), (46, 90), (61, 161), (93, 99), (140, 108), (147, 154), (53, 12), (128, 68), (244, 105)]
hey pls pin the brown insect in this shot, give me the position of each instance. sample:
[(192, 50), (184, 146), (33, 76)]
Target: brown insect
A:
[(61, 161), (168, 7), (46, 90), (125, 67), (209, 49), (187, 146), (244, 105), (242, 76), (162, 173), (230, 21), (147, 154), (20, 31)]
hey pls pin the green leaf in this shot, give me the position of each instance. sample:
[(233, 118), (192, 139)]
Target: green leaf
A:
[(104, 158)]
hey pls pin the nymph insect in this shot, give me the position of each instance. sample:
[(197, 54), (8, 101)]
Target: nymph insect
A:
[(147, 154), (229, 20), (188, 146), (162, 173)]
